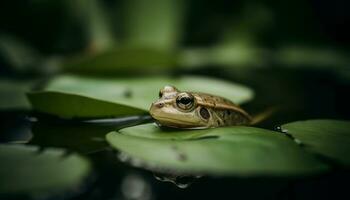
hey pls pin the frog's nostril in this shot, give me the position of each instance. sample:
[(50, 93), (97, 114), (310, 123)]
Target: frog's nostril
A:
[(159, 105)]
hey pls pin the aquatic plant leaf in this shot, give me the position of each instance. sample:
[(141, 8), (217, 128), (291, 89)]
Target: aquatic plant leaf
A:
[(76, 97), (328, 138), (72, 106), (27, 171), (239, 151)]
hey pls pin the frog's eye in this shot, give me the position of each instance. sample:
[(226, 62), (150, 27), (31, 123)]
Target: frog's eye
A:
[(185, 101), (160, 94)]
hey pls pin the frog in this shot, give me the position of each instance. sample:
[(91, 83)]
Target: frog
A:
[(196, 110)]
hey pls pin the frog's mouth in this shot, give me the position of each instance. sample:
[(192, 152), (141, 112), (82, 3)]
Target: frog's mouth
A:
[(176, 123), (172, 120), (166, 119)]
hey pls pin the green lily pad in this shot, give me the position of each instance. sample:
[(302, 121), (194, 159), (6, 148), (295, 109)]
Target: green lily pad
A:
[(67, 106), (239, 151), (329, 138), (29, 172), (76, 97)]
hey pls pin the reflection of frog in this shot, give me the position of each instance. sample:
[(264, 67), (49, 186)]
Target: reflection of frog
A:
[(195, 110)]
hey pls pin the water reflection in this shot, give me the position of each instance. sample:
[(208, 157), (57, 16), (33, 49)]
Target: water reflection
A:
[(14, 128), (181, 181), (135, 187), (81, 136)]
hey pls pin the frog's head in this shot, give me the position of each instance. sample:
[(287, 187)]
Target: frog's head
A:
[(177, 109)]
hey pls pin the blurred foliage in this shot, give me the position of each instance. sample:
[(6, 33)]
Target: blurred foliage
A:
[(154, 24), (13, 94), (121, 61), (121, 37), (18, 55), (29, 172)]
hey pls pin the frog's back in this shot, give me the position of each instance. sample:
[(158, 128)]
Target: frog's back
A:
[(223, 111)]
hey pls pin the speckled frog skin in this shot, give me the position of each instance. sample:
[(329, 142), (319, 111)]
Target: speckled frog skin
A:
[(179, 109)]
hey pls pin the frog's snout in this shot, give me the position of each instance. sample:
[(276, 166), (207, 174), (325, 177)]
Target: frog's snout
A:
[(155, 109)]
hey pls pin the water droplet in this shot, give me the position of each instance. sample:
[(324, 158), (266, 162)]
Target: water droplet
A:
[(298, 141), (123, 157), (280, 129)]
